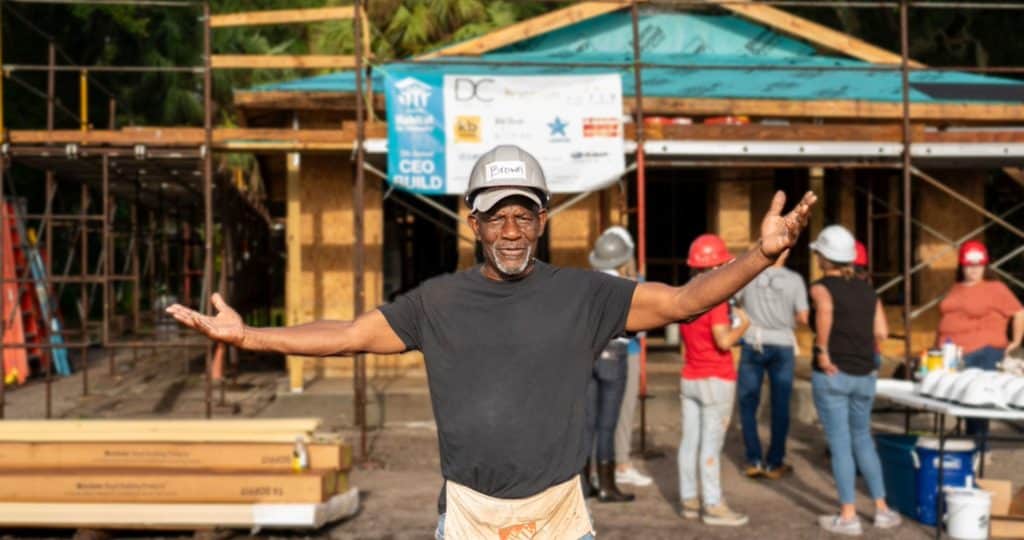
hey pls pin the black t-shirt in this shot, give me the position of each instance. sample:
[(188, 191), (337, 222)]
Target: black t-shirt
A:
[(508, 364), (851, 342)]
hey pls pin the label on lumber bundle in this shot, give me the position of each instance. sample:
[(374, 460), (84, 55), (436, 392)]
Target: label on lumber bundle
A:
[(205, 456), (180, 487)]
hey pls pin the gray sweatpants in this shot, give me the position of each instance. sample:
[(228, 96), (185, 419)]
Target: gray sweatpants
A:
[(706, 408), (624, 427)]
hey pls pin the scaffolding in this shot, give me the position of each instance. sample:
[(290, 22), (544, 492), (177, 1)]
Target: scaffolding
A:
[(140, 168), (913, 150)]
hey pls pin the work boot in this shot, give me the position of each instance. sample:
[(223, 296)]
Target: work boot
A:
[(607, 491), (776, 472), (588, 487)]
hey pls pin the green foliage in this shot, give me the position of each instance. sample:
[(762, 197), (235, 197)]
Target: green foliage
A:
[(163, 36), (411, 27), (938, 37)]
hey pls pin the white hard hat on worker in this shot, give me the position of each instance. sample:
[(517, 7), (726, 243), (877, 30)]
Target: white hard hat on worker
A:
[(836, 244), (506, 171)]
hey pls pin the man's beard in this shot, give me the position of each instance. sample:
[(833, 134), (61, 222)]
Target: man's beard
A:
[(511, 270)]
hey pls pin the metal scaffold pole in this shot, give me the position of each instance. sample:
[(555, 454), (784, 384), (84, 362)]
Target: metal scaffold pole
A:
[(641, 209), (908, 289), (207, 202), (358, 261)]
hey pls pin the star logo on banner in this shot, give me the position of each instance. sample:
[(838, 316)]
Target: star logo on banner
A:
[(557, 127)]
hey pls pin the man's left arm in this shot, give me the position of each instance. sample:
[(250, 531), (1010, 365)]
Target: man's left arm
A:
[(657, 304)]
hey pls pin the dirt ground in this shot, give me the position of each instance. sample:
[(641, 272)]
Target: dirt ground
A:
[(399, 485)]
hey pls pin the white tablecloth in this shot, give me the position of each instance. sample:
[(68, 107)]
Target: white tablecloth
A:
[(904, 393)]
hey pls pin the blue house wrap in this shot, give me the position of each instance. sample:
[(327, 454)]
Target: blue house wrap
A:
[(691, 55)]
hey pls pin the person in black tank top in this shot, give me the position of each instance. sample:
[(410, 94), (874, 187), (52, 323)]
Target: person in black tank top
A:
[(847, 319), (856, 301)]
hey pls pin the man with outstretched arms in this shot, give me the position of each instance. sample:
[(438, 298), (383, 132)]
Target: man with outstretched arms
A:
[(509, 346)]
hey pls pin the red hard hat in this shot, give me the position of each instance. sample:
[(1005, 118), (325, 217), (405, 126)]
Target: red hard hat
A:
[(973, 252), (708, 251), (862, 255)]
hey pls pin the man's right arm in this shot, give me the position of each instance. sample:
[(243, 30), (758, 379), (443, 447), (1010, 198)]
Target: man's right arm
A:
[(368, 333)]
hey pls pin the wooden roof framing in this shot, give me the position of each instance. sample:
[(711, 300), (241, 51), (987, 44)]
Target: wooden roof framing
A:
[(529, 28)]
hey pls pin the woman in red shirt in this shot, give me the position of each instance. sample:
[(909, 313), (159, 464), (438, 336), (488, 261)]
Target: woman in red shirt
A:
[(975, 314), (707, 392)]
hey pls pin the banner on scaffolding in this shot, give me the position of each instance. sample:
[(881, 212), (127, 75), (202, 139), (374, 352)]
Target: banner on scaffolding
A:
[(438, 125)]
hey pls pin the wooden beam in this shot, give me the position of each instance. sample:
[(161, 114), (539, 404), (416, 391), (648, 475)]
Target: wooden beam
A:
[(317, 140), (238, 139), (847, 109), (276, 61), (529, 28), (281, 16), (822, 36), (176, 456), (367, 35), (891, 132), (1015, 174), (283, 100), (178, 516), (154, 425)]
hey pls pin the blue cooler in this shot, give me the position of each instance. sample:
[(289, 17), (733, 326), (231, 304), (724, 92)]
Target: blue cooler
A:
[(957, 471), (898, 454)]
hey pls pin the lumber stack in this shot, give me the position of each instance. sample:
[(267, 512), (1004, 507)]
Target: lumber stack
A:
[(172, 474)]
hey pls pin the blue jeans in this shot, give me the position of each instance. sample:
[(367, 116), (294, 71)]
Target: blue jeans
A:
[(777, 361), (844, 408), (604, 399), (439, 531), (984, 358)]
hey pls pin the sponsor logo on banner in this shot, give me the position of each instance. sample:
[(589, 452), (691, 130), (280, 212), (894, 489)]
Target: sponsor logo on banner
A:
[(474, 89), (439, 124), (601, 127), (413, 94), (416, 135), (412, 97), (467, 129), (557, 129), (588, 155), (504, 170)]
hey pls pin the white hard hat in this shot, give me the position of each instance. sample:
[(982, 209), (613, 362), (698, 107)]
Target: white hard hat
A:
[(613, 249), (1013, 388), (505, 171), (945, 385), (961, 381), (983, 392), (1016, 399), (836, 244), (1003, 379), (931, 380)]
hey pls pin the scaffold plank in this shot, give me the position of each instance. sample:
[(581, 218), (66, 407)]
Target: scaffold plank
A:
[(281, 16), (280, 61)]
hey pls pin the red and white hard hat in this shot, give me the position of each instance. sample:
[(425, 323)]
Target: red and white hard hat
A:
[(973, 253), (708, 251), (862, 254)]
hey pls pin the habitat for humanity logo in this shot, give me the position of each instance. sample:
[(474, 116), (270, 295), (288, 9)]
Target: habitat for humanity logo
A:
[(413, 96), (557, 128)]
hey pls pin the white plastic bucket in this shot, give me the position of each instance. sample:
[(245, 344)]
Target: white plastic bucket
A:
[(672, 334), (967, 513)]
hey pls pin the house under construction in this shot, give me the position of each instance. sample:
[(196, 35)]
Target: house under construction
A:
[(725, 103)]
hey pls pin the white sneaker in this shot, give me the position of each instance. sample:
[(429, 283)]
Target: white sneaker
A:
[(837, 525), (633, 477), (887, 519)]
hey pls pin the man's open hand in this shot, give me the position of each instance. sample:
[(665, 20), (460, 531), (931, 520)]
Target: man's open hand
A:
[(226, 327), (779, 232)]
